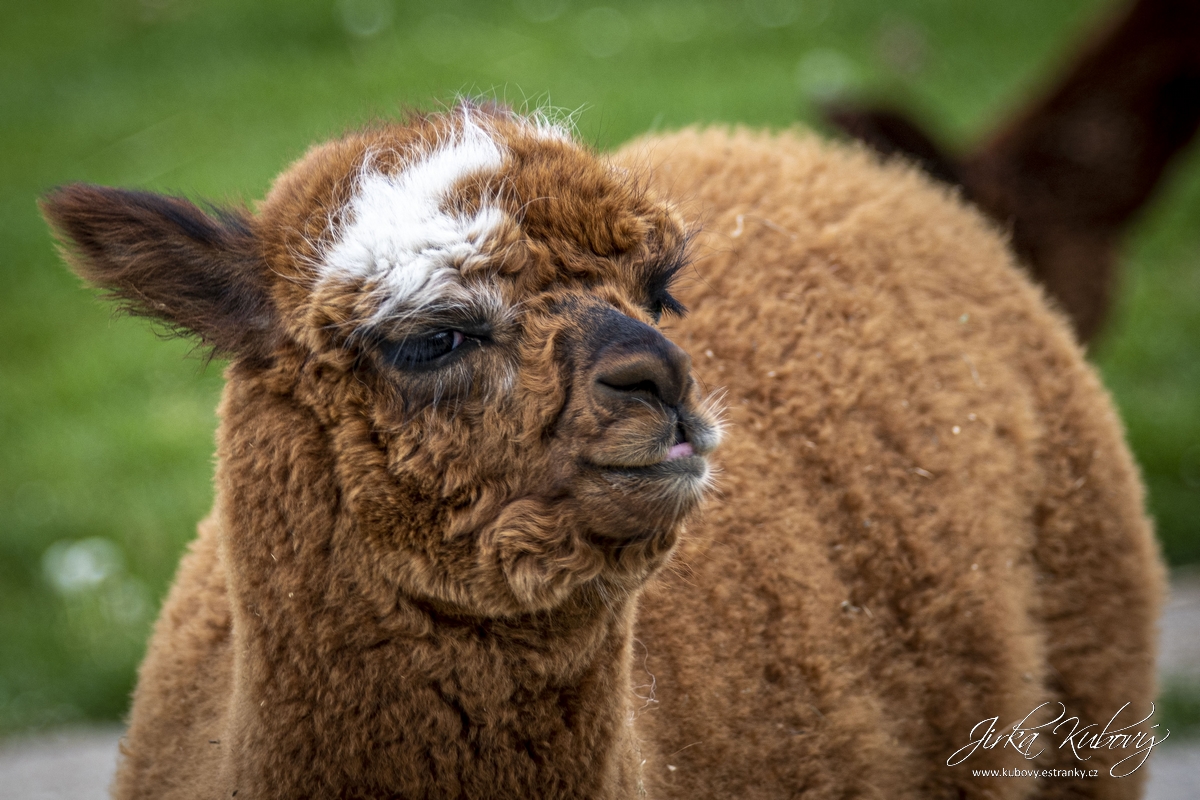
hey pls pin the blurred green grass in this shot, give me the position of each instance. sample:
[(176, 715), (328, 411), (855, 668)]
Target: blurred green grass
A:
[(107, 431), (1178, 708)]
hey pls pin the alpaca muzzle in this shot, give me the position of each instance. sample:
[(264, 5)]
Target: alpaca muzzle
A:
[(642, 383), (634, 363)]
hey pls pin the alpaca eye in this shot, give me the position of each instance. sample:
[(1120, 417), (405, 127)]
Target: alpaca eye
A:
[(416, 351)]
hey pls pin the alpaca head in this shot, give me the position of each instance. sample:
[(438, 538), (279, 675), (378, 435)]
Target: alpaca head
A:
[(467, 306)]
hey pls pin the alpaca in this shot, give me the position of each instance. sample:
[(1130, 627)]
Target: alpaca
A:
[(460, 545), (1069, 173)]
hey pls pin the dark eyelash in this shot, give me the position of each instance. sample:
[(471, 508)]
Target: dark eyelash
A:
[(419, 351), (658, 291), (432, 349), (664, 303)]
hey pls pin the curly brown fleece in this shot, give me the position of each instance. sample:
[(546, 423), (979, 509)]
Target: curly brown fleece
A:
[(421, 583), (928, 515)]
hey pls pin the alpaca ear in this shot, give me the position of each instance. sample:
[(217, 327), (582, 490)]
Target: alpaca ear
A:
[(158, 256)]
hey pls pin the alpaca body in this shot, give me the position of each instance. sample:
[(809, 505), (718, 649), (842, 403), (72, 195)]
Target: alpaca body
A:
[(925, 515)]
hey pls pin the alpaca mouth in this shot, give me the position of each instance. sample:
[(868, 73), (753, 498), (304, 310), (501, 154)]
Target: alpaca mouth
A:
[(681, 459), (676, 444), (683, 466), (681, 450)]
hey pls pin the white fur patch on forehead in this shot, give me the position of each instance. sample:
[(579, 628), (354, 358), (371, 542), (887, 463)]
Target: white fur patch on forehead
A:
[(400, 239)]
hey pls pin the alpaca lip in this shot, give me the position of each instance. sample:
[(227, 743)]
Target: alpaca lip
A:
[(671, 466), (680, 449)]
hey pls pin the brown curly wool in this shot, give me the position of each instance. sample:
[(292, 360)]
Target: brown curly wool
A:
[(459, 549)]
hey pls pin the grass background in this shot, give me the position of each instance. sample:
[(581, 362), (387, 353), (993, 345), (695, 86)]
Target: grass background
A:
[(106, 432)]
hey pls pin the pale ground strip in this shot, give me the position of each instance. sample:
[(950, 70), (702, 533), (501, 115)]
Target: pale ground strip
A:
[(77, 764)]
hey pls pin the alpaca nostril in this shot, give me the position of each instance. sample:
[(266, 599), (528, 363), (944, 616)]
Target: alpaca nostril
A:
[(636, 378), (645, 387), (661, 375)]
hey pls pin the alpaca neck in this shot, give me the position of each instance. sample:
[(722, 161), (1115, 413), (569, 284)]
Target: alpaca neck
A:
[(431, 706), (343, 686)]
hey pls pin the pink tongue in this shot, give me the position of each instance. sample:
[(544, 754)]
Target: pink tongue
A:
[(681, 450)]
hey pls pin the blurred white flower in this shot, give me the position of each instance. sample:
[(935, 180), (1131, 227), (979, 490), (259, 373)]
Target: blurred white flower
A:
[(73, 567)]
